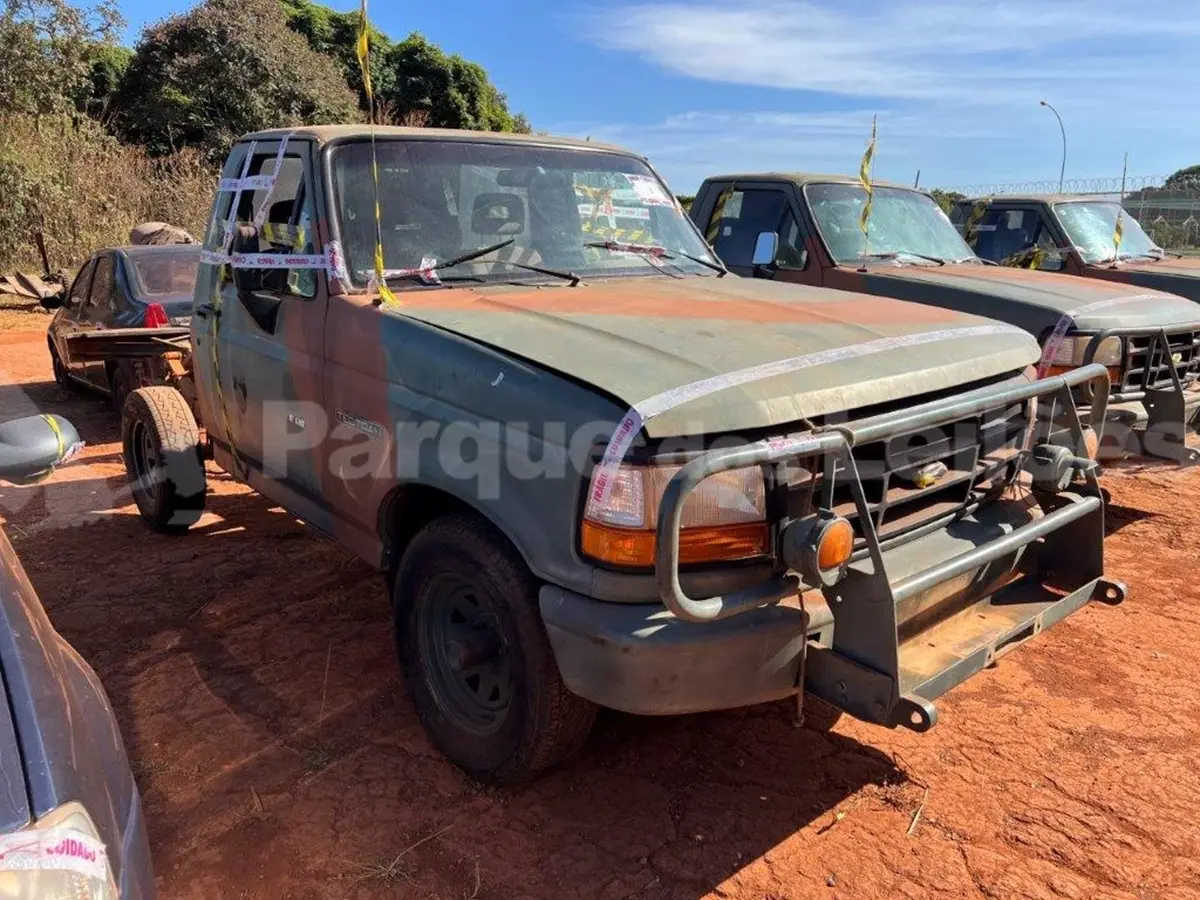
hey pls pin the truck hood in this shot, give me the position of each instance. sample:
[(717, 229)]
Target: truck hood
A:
[(1179, 276), (636, 338), (1019, 295)]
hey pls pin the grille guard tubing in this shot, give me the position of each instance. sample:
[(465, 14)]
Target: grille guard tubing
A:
[(928, 415)]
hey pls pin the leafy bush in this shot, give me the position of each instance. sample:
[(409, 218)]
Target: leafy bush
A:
[(225, 68)]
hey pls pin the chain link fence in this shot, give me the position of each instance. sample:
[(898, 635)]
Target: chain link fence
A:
[(1169, 211)]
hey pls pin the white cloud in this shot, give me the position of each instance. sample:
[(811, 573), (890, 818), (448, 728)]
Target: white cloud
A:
[(939, 50), (956, 84)]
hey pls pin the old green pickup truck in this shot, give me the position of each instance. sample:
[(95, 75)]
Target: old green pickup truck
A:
[(1076, 235), (608, 473), (805, 229)]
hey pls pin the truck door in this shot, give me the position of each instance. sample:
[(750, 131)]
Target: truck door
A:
[(732, 218), (261, 397)]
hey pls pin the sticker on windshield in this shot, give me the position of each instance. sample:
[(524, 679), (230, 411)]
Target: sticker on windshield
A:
[(620, 212), (648, 190)]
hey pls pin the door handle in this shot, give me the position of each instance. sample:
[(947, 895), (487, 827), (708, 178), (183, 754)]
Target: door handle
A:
[(204, 310)]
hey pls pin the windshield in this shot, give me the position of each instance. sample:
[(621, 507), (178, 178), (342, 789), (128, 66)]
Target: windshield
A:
[(902, 222), (442, 199), (1091, 227), (165, 273)]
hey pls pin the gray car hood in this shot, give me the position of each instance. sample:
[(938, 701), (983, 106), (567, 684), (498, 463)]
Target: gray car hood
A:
[(1050, 293)]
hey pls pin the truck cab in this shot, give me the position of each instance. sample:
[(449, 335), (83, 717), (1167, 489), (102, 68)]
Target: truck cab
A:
[(1075, 235), (806, 229), (598, 470)]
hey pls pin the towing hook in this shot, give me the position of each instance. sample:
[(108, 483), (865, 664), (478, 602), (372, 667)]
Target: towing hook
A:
[(1108, 592)]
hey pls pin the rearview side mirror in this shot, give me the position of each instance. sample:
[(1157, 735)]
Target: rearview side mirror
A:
[(766, 247)]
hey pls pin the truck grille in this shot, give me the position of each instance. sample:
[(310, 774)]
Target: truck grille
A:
[(981, 454), (1148, 364)]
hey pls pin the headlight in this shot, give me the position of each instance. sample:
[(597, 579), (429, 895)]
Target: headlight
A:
[(1073, 350), (58, 856), (724, 518)]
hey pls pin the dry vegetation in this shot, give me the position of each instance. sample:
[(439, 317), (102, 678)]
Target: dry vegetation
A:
[(83, 189)]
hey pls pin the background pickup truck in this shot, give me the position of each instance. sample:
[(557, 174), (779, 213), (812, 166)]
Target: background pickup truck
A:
[(1061, 233), (804, 229), (603, 473)]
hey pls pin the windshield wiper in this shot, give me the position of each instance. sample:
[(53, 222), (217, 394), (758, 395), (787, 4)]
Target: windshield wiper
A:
[(895, 254), (976, 259), (651, 250), (560, 273), (471, 255)]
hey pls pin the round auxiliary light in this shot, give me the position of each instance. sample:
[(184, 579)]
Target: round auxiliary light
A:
[(819, 547)]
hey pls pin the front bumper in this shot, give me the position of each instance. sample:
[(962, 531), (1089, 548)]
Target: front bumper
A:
[(1150, 415), (912, 617), (1156, 426), (643, 659)]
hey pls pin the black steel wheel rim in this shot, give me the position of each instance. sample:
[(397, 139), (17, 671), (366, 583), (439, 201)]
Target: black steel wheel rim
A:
[(147, 464), (465, 654)]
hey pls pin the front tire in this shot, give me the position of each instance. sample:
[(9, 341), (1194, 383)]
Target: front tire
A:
[(476, 657), (161, 445)]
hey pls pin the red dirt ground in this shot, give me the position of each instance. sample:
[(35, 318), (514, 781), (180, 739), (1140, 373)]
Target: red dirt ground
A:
[(252, 669)]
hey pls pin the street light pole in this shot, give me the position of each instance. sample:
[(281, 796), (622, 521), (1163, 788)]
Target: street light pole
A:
[(1063, 169)]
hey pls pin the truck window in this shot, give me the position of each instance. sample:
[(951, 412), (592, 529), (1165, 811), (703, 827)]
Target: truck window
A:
[(749, 213), (594, 213), (1010, 237), (287, 221)]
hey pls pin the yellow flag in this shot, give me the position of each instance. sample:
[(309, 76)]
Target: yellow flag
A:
[(363, 51), (1118, 232), (864, 176)]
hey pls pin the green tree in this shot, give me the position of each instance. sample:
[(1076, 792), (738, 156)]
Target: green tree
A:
[(335, 34), (107, 65), (1184, 178), (415, 81), (946, 199), (446, 90), (222, 69), (47, 52)]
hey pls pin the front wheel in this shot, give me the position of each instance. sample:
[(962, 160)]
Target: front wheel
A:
[(476, 656), (163, 461)]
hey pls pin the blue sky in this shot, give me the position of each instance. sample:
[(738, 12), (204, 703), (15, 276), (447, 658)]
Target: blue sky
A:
[(705, 86)]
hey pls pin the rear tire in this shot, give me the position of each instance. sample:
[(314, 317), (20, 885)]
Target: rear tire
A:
[(61, 378), (120, 385), (161, 445), (476, 656)]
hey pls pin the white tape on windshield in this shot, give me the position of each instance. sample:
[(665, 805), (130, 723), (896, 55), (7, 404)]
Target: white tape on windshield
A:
[(231, 219), (53, 850), (331, 261), (629, 426), (1067, 320)]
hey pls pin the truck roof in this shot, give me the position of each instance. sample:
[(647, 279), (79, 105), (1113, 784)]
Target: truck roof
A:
[(324, 134), (803, 178), (1039, 198)]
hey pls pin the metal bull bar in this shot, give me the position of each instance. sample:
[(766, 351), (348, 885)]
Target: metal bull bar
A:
[(1167, 418), (969, 586)]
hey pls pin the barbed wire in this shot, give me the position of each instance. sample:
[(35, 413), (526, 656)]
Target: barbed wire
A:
[(1111, 185)]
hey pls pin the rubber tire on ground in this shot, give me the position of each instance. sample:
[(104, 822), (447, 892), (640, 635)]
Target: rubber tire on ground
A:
[(175, 501), (61, 378), (546, 723), (121, 385)]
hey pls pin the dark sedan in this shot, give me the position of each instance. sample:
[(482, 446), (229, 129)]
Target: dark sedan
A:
[(71, 821), (121, 287)]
